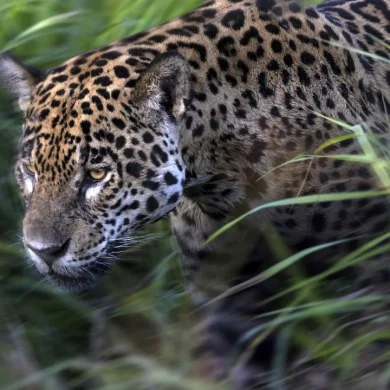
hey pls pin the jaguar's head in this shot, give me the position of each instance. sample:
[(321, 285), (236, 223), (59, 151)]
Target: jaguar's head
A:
[(98, 157)]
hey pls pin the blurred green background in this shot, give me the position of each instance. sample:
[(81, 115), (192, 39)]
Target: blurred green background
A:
[(133, 331)]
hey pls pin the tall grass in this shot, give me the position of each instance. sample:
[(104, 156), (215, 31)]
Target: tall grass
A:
[(308, 300)]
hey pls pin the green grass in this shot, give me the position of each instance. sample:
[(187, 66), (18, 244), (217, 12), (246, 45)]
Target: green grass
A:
[(133, 332)]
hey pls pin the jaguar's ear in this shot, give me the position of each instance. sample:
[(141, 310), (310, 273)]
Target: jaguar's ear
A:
[(165, 85), (19, 79)]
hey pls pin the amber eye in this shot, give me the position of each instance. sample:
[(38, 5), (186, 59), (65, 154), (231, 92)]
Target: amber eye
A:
[(29, 169), (97, 174)]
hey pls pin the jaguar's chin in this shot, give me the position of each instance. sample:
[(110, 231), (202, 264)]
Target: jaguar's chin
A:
[(78, 281)]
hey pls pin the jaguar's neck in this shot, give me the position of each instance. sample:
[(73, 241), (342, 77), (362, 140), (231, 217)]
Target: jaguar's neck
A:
[(254, 87)]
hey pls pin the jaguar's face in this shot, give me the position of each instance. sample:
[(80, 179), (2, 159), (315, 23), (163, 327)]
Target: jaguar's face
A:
[(96, 164)]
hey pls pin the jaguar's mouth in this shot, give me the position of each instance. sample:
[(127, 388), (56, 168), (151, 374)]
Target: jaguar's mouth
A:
[(78, 280)]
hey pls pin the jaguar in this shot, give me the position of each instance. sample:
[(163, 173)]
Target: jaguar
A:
[(201, 118)]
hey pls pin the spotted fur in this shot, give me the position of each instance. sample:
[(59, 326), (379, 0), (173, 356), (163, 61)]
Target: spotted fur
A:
[(192, 117)]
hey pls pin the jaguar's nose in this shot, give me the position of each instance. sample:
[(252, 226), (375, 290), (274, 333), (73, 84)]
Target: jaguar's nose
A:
[(49, 253)]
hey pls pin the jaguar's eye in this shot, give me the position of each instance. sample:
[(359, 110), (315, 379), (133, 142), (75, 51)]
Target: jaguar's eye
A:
[(29, 169), (97, 174)]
